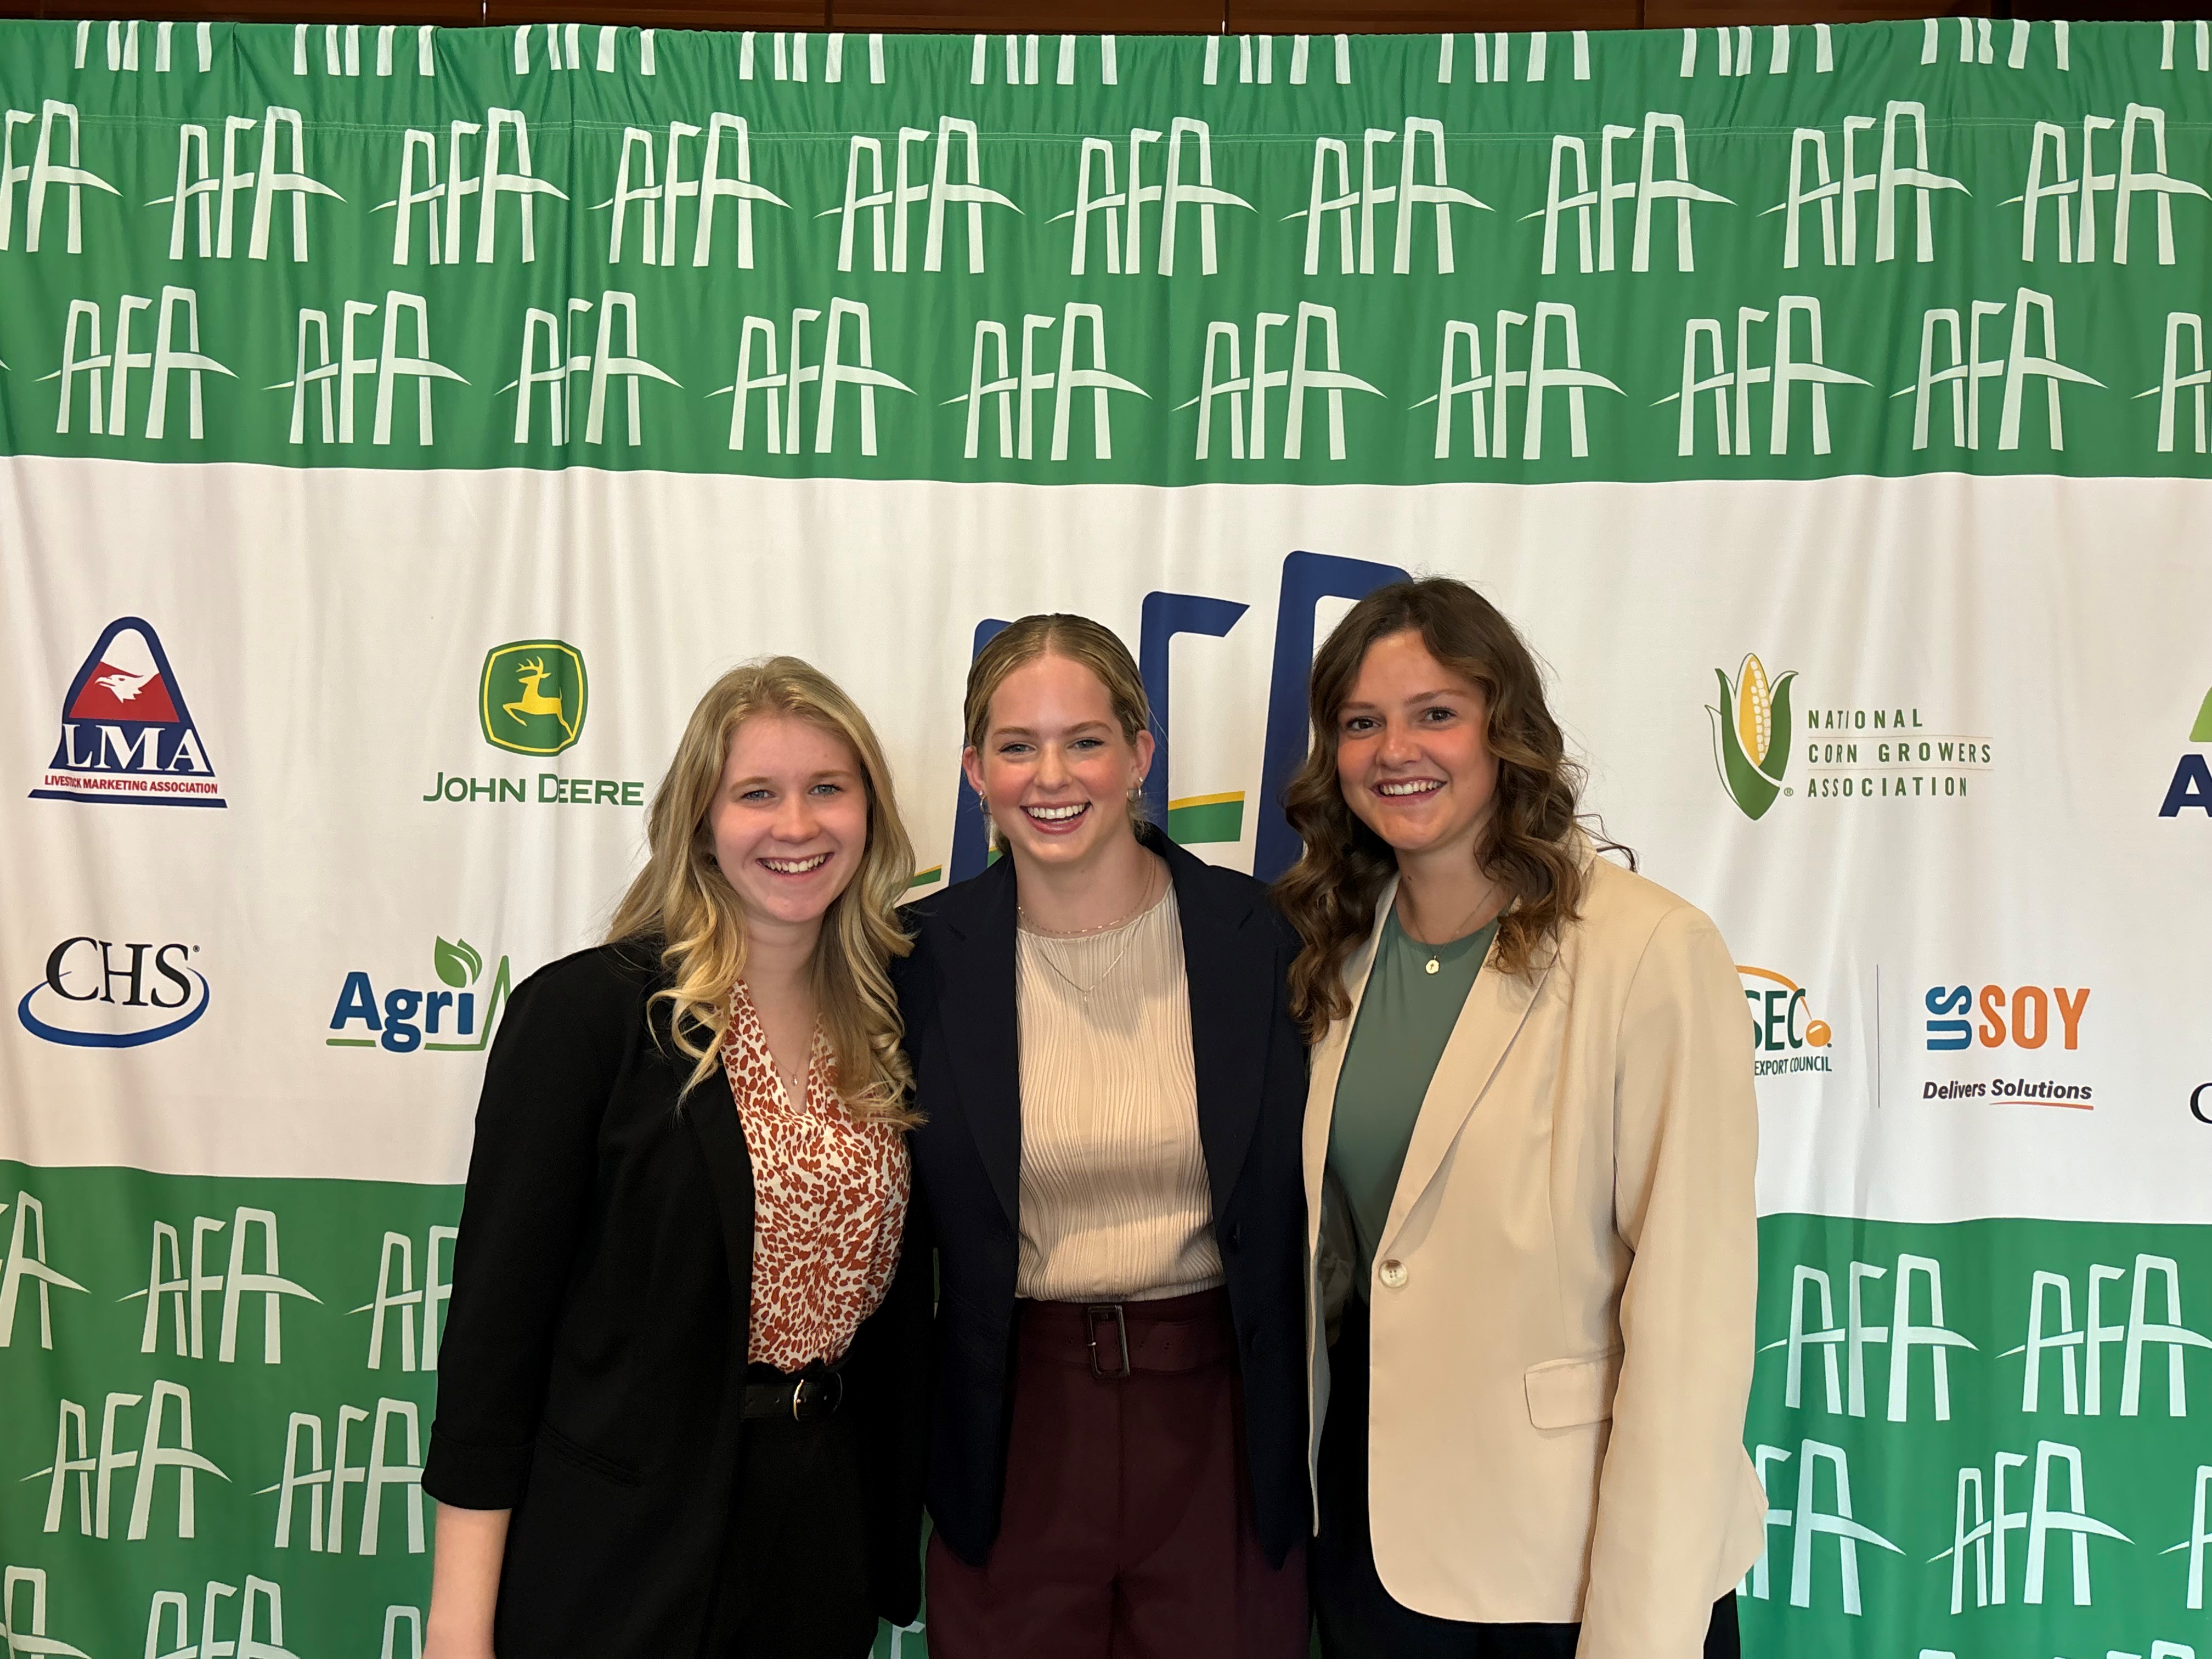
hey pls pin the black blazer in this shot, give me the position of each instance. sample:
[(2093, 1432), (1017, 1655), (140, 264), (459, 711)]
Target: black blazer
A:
[(957, 993), (592, 1371)]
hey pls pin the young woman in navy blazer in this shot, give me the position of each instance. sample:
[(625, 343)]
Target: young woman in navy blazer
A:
[(1110, 1084)]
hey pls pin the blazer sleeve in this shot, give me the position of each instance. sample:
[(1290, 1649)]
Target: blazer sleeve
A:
[(1685, 1147), (527, 1206)]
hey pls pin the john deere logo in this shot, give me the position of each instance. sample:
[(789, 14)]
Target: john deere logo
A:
[(1751, 735), (533, 696)]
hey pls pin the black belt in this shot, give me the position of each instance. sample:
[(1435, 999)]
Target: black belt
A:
[(804, 1398)]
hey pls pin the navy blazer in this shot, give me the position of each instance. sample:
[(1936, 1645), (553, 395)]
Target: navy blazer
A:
[(957, 994)]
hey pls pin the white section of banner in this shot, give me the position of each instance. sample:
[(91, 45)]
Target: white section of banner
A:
[(2010, 915)]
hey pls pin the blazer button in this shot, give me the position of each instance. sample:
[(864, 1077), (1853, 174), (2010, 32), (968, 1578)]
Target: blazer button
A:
[(1392, 1272)]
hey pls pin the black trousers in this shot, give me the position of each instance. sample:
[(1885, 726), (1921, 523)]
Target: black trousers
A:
[(1357, 1617), (795, 1582)]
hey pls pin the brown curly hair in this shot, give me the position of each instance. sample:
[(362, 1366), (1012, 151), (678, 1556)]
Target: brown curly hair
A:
[(1531, 846)]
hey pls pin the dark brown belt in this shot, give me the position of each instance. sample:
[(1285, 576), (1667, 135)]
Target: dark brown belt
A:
[(1117, 1340)]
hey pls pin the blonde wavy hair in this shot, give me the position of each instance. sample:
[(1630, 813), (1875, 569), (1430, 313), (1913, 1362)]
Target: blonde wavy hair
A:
[(682, 902)]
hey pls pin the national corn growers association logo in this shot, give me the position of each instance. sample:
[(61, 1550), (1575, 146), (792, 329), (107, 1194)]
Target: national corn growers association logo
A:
[(126, 734), (1751, 735), (1886, 752), (532, 698)]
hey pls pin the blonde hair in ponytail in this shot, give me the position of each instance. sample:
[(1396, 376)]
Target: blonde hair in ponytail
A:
[(681, 901)]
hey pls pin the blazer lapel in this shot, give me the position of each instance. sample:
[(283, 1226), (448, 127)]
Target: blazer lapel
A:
[(1328, 1068), (1496, 1008), (982, 1027), (712, 1114), (1231, 997)]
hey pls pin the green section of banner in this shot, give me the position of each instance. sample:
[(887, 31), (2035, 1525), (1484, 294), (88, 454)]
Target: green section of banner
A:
[(1974, 1437), (1796, 253)]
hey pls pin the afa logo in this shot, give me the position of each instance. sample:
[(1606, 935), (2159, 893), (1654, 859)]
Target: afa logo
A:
[(125, 733), (1751, 735), (1786, 1036), (114, 994), (532, 696), (406, 1019), (2191, 788)]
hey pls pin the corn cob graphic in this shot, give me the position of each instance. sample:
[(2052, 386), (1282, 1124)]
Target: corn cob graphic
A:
[(1751, 734)]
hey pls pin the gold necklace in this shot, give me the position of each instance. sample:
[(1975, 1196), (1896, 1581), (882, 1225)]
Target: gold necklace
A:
[(1068, 979), (1434, 966), (1145, 902)]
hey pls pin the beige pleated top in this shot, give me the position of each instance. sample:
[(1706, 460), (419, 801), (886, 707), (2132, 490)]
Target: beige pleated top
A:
[(1114, 1202)]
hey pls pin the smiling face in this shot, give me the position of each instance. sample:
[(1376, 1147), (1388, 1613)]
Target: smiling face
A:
[(1412, 754), (1054, 768), (790, 821)]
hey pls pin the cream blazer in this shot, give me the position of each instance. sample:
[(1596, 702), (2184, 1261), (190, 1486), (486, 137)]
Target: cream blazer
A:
[(1563, 1297)]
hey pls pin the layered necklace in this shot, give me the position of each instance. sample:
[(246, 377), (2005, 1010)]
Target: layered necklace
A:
[(1154, 877)]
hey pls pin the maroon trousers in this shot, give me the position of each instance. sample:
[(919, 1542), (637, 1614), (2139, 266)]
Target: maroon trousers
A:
[(1126, 1531)]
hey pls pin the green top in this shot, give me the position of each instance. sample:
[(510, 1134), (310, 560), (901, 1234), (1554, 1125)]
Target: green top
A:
[(1405, 1017)]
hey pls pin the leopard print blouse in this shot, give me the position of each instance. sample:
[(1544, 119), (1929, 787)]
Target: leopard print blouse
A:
[(829, 1201)]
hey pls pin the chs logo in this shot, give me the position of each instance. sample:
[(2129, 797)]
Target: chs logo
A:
[(406, 1020), (125, 733), (1751, 735), (2192, 788), (532, 697), (105, 994), (1785, 1037)]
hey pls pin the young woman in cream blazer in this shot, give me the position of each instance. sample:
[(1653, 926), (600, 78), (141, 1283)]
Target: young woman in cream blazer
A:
[(1529, 1143)]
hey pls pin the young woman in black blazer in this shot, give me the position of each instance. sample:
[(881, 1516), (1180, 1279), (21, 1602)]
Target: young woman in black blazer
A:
[(1110, 1084), (678, 1393)]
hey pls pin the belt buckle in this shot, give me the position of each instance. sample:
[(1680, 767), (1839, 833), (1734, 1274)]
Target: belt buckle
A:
[(1094, 1317), (817, 1391)]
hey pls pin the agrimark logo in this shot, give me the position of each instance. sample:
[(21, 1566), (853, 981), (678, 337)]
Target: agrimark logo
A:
[(2191, 788), (532, 698), (457, 1018), (1888, 752), (125, 733), (114, 994)]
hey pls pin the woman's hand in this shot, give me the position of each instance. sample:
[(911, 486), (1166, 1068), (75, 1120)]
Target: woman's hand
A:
[(464, 1583)]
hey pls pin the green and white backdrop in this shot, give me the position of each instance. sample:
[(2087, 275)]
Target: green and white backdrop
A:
[(403, 427)]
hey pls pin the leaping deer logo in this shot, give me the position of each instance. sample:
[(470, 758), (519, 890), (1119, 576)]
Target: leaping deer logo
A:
[(533, 674)]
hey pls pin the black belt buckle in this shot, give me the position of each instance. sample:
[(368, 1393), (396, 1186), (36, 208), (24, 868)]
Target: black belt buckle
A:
[(1094, 1319), (816, 1397)]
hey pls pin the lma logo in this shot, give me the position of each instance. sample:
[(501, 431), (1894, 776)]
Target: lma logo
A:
[(125, 733), (2192, 788), (1751, 735), (407, 1020)]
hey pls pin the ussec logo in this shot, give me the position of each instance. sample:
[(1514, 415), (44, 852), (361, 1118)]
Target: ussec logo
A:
[(2191, 788), (114, 994), (1787, 1038), (1887, 753), (125, 733), (532, 699), (458, 1018)]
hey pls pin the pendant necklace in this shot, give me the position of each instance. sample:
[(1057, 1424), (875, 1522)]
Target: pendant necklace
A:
[(1069, 980), (1434, 966)]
